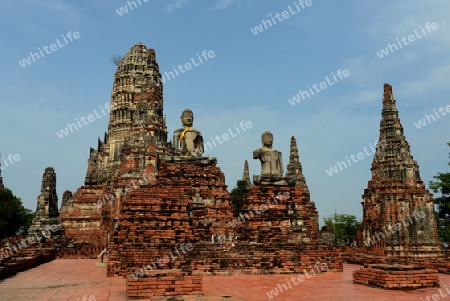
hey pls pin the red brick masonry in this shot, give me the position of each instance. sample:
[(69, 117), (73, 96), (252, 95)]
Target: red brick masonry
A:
[(171, 282), (396, 276)]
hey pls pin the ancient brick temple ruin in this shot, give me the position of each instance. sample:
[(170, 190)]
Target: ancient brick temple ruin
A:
[(155, 208), (398, 212), (279, 209), (154, 205), (126, 158), (47, 220)]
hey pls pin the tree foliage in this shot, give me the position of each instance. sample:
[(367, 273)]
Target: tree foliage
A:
[(14, 218), (343, 226), (442, 186), (237, 195)]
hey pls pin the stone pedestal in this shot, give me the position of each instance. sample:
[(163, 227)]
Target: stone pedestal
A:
[(396, 276), (278, 209), (278, 214), (273, 180)]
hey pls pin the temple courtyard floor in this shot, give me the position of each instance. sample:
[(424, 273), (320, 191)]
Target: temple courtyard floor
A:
[(82, 280)]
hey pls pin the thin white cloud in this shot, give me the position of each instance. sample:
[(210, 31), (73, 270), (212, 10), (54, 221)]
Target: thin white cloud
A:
[(177, 4), (55, 5), (435, 79), (222, 4), (385, 25), (66, 11)]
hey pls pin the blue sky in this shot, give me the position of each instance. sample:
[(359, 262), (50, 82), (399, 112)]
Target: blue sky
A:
[(250, 78)]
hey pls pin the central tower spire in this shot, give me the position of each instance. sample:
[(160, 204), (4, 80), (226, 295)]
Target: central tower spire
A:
[(137, 91), (136, 116)]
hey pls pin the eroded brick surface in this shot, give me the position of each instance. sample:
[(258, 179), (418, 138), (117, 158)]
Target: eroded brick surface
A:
[(398, 212), (396, 276), (47, 221)]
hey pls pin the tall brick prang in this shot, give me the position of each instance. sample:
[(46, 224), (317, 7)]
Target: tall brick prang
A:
[(128, 152), (47, 213), (246, 174), (398, 211), (294, 167)]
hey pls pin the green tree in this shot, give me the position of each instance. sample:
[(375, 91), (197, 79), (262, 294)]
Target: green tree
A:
[(14, 218), (343, 226), (442, 186), (237, 195), (30, 214)]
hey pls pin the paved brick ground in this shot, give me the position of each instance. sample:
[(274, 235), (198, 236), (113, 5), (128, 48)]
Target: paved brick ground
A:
[(78, 279), (332, 286), (64, 279)]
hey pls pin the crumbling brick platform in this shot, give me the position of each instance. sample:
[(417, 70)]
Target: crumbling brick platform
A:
[(25, 260), (396, 276), (247, 259), (168, 282)]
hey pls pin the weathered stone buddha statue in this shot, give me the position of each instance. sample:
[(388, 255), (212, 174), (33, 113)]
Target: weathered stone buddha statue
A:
[(188, 141), (271, 161)]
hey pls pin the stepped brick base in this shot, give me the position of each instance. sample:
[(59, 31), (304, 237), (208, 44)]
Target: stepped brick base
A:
[(25, 260), (363, 256), (261, 259), (169, 282), (81, 218), (188, 203), (79, 250), (396, 276), (278, 214)]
